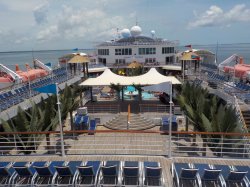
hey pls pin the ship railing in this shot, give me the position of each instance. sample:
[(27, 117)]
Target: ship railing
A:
[(156, 108), (107, 108), (172, 43), (206, 144), (127, 142)]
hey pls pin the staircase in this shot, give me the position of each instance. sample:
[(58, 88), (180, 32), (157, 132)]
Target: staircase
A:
[(137, 122), (246, 116)]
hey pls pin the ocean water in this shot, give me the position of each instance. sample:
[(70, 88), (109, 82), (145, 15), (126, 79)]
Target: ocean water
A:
[(21, 57), (224, 51), (10, 59)]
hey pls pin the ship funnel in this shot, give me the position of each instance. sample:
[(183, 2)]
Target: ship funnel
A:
[(17, 67)]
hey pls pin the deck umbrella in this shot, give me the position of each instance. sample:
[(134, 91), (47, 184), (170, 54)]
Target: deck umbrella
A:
[(189, 58), (134, 64), (80, 59)]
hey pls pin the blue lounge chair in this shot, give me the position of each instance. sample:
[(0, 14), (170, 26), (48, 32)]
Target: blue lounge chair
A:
[(5, 173), (87, 174), (45, 173), (184, 174), (92, 127), (23, 173), (131, 173), (152, 174), (110, 174), (245, 169), (232, 176), (165, 123), (209, 176), (65, 174)]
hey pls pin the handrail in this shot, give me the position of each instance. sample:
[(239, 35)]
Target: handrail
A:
[(238, 110), (132, 131)]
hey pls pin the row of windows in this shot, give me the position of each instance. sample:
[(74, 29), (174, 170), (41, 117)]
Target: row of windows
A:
[(150, 60), (103, 51), (125, 51), (166, 50), (142, 51), (120, 61), (169, 59), (147, 51)]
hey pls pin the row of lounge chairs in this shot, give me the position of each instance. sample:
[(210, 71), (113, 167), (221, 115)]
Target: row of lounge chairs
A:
[(217, 77), (210, 66), (15, 96), (199, 175), (78, 173)]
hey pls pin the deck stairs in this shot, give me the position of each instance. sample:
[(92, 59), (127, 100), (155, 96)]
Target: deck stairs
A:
[(246, 116), (137, 122)]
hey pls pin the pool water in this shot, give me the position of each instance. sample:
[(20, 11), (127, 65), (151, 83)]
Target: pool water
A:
[(146, 95), (130, 92)]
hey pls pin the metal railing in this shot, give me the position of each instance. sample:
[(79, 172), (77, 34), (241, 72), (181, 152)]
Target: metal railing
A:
[(202, 144), (127, 142), (108, 108), (154, 108)]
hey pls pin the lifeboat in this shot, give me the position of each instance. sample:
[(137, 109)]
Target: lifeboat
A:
[(31, 74), (5, 80), (9, 77), (239, 70)]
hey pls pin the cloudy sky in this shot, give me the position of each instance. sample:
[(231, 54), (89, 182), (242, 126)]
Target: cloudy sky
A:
[(67, 24)]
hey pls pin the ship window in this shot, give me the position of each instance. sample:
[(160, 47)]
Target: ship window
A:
[(169, 59), (130, 51), (150, 60), (120, 61), (147, 51), (103, 51), (123, 51), (126, 52), (167, 50)]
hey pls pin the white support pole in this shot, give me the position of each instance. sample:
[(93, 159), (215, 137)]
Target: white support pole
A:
[(170, 122), (183, 70), (67, 70), (60, 122)]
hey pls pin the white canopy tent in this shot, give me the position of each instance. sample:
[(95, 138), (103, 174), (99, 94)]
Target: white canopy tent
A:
[(150, 78)]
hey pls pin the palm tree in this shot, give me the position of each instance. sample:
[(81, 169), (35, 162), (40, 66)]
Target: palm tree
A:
[(26, 121), (78, 91), (139, 88), (117, 88), (207, 113)]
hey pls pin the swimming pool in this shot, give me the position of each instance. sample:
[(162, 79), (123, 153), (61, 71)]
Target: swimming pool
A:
[(131, 93)]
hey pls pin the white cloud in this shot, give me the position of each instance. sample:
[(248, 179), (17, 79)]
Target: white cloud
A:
[(22, 40), (215, 16), (88, 24), (48, 34), (17, 5), (40, 13)]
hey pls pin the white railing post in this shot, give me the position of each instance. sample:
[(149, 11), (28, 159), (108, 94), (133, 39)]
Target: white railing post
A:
[(170, 121), (221, 147)]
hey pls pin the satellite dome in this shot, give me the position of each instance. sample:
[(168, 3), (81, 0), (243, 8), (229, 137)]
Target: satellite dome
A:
[(135, 31), (153, 33), (125, 33)]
